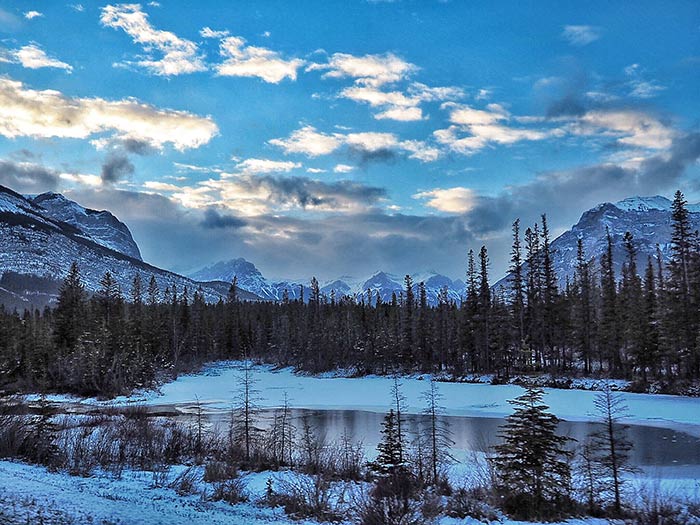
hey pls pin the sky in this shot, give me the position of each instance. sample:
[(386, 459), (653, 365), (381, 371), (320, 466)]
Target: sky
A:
[(335, 138)]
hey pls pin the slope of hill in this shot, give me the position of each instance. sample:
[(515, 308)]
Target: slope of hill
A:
[(36, 250)]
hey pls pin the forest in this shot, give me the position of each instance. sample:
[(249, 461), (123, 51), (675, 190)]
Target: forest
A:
[(642, 325)]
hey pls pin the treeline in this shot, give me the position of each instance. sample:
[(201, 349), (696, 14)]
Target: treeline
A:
[(643, 325)]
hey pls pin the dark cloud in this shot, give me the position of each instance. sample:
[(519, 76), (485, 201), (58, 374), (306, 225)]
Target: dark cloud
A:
[(116, 167), (569, 105), (364, 157), (24, 177), (565, 194), (306, 192), (137, 147), (214, 219)]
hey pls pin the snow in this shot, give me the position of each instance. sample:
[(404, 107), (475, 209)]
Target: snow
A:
[(656, 202), (217, 386), (130, 500)]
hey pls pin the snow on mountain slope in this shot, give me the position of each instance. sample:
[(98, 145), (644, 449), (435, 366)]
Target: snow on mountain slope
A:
[(100, 226), (382, 283), (36, 251)]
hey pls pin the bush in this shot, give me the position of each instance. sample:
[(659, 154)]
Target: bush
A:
[(219, 471), (231, 491), (186, 482), (304, 497), (464, 503)]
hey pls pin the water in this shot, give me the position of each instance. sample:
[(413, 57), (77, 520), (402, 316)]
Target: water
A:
[(655, 449)]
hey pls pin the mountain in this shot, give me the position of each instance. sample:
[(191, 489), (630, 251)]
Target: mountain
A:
[(99, 226), (249, 279), (648, 219), (40, 238), (252, 280)]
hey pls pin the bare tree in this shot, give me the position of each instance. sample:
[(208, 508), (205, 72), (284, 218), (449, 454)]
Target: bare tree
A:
[(438, 431), (246, 409), (610, 443)]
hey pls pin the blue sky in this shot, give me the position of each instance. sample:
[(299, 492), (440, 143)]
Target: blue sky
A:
[(335, 138)]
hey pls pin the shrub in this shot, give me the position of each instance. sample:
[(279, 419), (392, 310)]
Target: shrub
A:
[(231, 491)]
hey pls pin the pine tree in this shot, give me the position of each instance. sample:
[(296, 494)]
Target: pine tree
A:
[(518, 302), (609, 323), (70, 312), (531, 464)]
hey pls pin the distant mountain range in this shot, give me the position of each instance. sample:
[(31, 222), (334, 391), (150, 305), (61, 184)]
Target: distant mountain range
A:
[(386, 284), (41, 235)]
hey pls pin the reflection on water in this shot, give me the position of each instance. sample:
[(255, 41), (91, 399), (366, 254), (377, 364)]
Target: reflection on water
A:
[(653, 447)]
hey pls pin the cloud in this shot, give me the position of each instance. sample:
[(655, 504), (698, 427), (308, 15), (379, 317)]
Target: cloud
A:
[(308, 141), (581, 35), (397, 105), (252, 194), (343, 168), (242, 60), (43, 114), (116, 167), (77, 7), (639, 86), (629, 127), (552, 192), (258, 166), (30, 15), (178, 55), (366, 146), (450, 200), (33, 57), (475, 129), (26, 177), (213, 219), (368, 70)]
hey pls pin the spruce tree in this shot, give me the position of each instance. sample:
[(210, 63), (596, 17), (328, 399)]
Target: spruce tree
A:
[(533, 476)]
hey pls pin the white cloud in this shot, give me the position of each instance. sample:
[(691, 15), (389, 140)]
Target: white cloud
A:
[(315, 170), (30, 15), (242, 60), (580, 35), (77, 7), (343, 168), (33, 57), (630, 128), (311, 142), (450, 200), (179, 56), (400, 114), (369, 70), (639, 86), (484, 127), (30, 113), (257, 166), (84, 179), (208, 32)]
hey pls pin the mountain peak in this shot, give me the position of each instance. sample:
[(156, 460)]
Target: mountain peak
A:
[(100, 226), (657, 202)]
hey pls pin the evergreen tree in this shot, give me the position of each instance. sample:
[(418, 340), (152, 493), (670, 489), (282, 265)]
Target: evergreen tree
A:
[(531, 464)]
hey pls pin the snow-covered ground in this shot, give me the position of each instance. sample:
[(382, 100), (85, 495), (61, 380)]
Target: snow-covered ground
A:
[(217, 386), (31, 494)]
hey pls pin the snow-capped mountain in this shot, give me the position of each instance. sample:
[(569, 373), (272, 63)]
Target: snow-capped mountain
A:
[(249, 278), (386, 284), (100, 226), (648, 219), (37, 249)]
